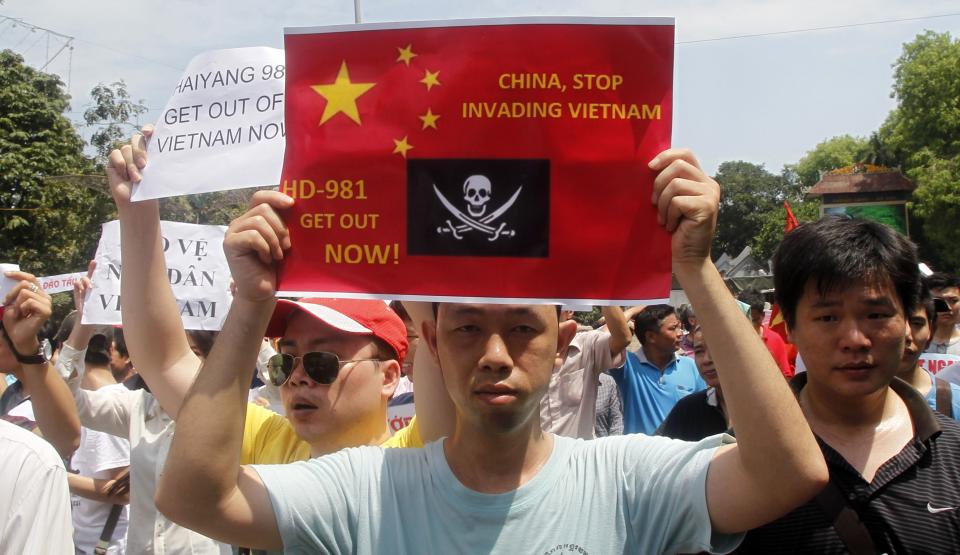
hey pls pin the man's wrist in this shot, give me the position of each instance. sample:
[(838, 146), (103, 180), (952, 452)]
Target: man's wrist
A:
[(692, 270)]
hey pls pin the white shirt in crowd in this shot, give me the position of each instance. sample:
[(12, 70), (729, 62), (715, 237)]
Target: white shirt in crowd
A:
[(99, 453), (34, 497), (138, 416), (570, 406)]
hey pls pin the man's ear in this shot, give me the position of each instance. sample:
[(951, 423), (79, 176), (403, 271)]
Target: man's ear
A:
[(565, 334), (391, 377), (428, 332)]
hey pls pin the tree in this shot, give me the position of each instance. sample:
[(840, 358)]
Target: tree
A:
[(829, 155), (923, 133), (114, 115), (49, 227), (748, 192)]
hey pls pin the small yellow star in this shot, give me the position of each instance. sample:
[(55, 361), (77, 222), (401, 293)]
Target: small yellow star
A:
[(406, 54), (401, 146), (429, 119), (341, 96), (430, 78)]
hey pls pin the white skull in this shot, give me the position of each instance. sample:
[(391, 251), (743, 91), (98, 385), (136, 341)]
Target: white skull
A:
[(477, 190)]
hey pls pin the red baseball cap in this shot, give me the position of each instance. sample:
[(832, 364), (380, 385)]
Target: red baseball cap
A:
[(362, 317)]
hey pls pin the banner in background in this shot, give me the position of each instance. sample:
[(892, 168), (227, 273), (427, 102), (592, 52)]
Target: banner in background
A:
[(222, 129), (196, 267), (60, 283), (935, 363), (491, 159)]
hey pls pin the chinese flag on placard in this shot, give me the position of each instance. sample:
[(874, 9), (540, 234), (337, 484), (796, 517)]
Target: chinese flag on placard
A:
[(493, 160)]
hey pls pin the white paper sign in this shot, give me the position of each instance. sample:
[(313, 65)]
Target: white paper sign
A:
[(60, 283), (222, 129), (196, 268), (6, 284), (935, 363)]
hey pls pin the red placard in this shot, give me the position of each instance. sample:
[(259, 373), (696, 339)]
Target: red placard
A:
[(491, 160)]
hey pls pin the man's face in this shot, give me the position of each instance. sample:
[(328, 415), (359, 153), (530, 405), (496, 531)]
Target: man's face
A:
[(413, 339), (320, 412), (851, 339), (952, 296), (666, 339), (496, 361), (701, 355), (918, 337)]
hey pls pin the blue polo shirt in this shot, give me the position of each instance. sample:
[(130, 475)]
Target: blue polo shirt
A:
[(648, 394)]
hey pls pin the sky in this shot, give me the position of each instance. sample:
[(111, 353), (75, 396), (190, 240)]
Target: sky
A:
[(763, 99)]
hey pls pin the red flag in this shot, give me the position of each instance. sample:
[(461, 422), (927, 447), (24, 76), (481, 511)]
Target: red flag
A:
[(479, 159), (791, 220)]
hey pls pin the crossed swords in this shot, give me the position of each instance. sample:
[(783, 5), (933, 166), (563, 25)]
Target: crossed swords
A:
[(479, 225)]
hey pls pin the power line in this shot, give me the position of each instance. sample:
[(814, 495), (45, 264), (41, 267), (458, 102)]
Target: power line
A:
[(826, 28)]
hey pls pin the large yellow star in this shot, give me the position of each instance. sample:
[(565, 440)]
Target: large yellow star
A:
[(401, 146), (430, 78), (342, 96), (406, 54), (429, 119)]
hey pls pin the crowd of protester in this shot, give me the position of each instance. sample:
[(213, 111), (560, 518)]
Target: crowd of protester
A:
[(665, 430)]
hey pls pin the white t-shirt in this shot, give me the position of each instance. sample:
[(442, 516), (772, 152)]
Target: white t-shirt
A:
[(98, 453), (625, 494), (34, 498)]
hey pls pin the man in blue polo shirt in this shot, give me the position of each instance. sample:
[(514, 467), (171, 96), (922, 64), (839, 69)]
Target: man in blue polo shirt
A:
[(655, 378)]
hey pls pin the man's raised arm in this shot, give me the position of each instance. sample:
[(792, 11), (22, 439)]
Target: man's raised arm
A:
[(203, 486), (616, 323), (151, 320), (776, 464)]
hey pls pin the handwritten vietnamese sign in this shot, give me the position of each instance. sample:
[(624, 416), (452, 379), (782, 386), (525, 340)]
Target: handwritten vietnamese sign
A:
[(492, 160), (196, 268), (222, 129)]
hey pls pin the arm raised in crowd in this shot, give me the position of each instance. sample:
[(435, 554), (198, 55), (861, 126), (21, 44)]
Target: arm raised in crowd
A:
[(434, 409), (151, 320), (776, 463), (206, 489), (26, 308), (616, 323)]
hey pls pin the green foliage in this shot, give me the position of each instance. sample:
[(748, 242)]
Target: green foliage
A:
[(774, 221), (47, 227), (936, 204), (748, 193), (115, 117), (829, 155), (217, 208), (923, 134)]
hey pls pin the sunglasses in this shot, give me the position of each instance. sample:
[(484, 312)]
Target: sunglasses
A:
[(323, 367)]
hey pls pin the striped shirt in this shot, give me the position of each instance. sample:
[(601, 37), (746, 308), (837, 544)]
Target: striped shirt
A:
[(911, 506)]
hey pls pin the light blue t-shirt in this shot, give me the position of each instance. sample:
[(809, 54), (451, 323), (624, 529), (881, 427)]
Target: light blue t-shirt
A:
[(626, 494), (648, 395), (955, 396)]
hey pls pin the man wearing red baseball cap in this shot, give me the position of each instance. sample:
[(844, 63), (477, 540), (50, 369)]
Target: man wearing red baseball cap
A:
[(338, 365)]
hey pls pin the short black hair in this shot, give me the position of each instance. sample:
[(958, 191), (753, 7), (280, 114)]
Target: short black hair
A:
[(941, 280), (650, 318), (203, 340), (119, 343), (98, 349), (835, 252), (753, 298)]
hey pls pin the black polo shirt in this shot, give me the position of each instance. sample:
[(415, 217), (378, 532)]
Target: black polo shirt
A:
[(912, 505), (694, 418)]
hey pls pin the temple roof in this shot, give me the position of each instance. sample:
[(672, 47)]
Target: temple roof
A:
[(861, 178)]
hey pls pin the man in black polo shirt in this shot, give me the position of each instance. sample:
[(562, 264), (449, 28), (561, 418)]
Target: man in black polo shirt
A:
[(845, 288), (704, 413)]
